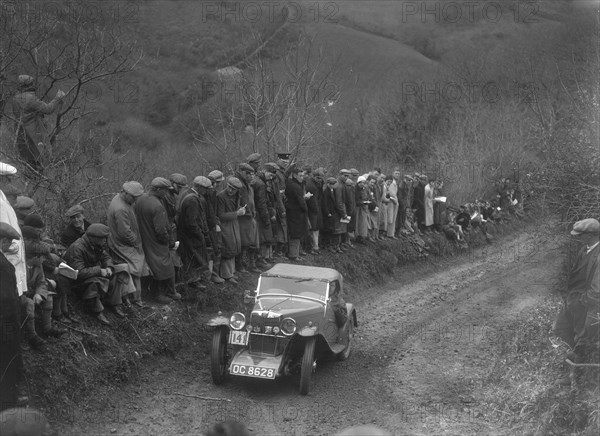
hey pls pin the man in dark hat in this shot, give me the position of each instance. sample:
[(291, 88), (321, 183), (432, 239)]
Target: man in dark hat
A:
[(95, 268), (29, 111), (155, 230), (229, 209), (76, 227)]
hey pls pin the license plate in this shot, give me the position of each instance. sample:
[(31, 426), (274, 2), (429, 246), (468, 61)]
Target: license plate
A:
[(238, 337), (253, 371)]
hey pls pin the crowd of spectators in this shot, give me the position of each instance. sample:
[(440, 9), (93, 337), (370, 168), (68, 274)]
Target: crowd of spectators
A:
[(211, 230)]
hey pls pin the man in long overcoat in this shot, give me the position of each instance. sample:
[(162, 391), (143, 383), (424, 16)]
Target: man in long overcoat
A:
[(214, 225), (248, 226), (229, 210), (314, 185), (155, 228), (124, 241), (279, 225), (193, 231), (263, 210), (296, 211), (419, 202), (339, 196)]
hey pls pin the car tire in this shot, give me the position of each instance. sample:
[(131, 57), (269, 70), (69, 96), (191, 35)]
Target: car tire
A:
[(218, 356), (308, 359), (345, 353)]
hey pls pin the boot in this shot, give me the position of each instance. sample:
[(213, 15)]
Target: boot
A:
[(252, 263), (47, 328)]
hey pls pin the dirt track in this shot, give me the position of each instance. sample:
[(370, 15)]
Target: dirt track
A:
[(425, 350)]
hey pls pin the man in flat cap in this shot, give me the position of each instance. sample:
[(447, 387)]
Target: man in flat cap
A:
[(229, 209), (279, 226), (11, 363), (76, 227), (248, 226), (180, 186), (214, 264), (194, 234), (95, 268), (254, 160), (578, 322), (264, 202), (314, 186), (29, 111), (125, 241), (155, 230), (340, 217), (23, 207)]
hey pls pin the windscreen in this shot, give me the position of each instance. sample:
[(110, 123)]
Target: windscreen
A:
[(302, 287)]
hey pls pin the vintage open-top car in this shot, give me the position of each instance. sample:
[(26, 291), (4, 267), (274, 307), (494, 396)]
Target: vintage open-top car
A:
[(299, 316)]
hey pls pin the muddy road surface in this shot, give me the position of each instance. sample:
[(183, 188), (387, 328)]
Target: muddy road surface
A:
[(425, 350)]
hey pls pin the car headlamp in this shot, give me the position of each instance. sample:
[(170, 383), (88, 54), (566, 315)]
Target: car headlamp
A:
[(276, 330), (237, 321), (288, 326)]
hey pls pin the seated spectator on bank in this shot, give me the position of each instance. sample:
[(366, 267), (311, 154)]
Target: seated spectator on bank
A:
[(89, 256), (76, 227), (35, 246), (39, 291), (463, 219), (477, 221), (453, 231)]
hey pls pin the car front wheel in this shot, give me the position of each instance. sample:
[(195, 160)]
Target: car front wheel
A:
[(308, 361), (218, 356)]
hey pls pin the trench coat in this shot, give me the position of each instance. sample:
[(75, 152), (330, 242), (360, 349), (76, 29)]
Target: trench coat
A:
[(428, 205), (193, 232), (231, 241), (154, 226), (124, 241), (296, 209), (315, 217), (248, 227), (339, 197), (264, 209)]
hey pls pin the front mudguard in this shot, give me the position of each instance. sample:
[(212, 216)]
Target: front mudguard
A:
[(352, 312), (308, 331), (217, 321)]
